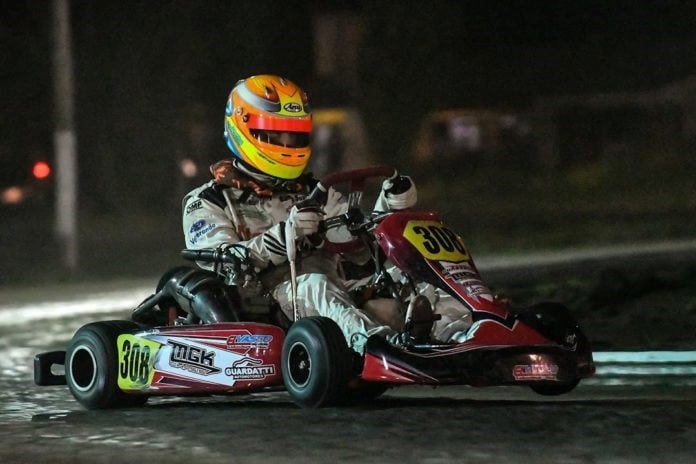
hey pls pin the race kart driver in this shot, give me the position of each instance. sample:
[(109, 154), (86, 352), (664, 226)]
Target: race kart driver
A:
[(251, 199)]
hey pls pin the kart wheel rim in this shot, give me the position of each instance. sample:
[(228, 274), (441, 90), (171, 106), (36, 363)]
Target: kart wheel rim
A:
[(299, 364), (83, 368)]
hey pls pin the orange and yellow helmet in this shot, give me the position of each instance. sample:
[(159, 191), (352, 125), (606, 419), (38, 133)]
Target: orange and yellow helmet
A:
[(268, 125)]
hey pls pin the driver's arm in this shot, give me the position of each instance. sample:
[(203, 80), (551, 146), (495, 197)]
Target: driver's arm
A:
[(207, 225), (397, 193)]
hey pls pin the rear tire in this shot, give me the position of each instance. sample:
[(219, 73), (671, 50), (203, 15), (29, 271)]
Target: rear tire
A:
[(91, 366), (316, 363)]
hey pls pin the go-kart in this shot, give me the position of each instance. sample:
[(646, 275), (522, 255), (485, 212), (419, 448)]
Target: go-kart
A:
[(122, 363)]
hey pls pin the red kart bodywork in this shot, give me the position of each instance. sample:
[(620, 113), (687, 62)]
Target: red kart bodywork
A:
[(460, 277), (490, 357), (500, 348), (216, 358)]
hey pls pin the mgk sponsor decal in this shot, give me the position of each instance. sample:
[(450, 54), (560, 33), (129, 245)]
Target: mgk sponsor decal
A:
[(192, 358)]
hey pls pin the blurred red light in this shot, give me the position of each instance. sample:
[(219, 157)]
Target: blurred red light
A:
[(41, 170)]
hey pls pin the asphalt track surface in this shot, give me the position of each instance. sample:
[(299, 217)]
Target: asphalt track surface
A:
[(624, 423)]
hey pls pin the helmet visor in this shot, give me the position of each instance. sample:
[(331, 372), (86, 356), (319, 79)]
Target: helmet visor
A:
[(287, 139)]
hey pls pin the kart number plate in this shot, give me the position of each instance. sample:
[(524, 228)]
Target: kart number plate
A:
[(435, 241), (136, 360)]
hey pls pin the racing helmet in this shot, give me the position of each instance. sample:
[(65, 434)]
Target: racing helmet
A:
[(268, 125)]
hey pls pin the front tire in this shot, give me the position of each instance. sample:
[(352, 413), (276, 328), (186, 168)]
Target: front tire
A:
[(556, 389), (316, 363), (555, 322), (91, 366)]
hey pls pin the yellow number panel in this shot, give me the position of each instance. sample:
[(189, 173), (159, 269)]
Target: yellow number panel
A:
[(136, 360), (435, 241)]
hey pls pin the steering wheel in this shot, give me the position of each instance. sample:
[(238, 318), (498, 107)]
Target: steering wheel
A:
[(356, 179)]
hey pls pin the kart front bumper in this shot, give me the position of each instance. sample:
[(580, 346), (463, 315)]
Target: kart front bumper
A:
[(474, 365)]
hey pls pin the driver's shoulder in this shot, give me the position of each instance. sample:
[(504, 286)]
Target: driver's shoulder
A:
[(210, 193)]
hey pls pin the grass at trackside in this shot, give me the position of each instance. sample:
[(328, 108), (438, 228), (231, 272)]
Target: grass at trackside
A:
[(513, 211), (646, 309)]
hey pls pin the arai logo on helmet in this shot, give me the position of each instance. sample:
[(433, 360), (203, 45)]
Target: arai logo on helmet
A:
[(292, 107)]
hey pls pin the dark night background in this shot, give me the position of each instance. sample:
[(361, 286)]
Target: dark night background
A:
[(152, 77)]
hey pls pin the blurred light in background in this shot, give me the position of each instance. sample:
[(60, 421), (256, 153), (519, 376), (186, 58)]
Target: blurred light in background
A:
[(41, 170), (12, 195), (188, 168), (34, 189)]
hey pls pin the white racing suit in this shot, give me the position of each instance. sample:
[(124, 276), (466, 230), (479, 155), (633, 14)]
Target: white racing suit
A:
[(255, 219)]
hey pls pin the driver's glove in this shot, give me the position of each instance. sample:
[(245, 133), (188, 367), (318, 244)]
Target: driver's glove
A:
[(400, 192), (305, 221), (335, 204)]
